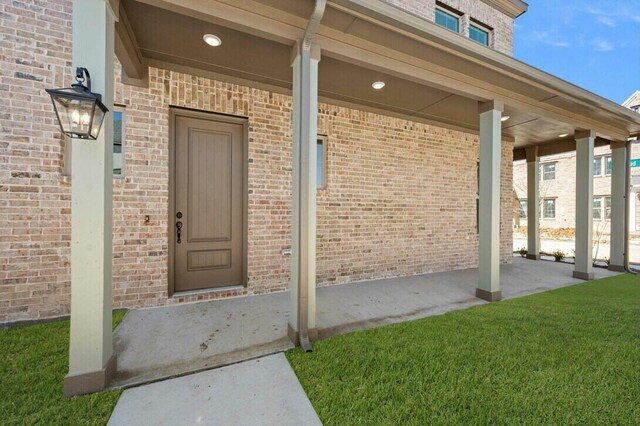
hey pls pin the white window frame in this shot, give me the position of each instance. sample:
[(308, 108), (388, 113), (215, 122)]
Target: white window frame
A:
[(605, 167), (599, 209), (451, 12), (555, 170), (544, 209), (481, 27), (598, 159), (605, 207)]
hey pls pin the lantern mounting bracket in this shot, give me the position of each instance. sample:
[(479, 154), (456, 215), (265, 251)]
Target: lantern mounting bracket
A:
[(82, 75)]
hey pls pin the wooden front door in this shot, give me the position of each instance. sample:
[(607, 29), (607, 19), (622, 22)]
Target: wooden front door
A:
[(208, 196)]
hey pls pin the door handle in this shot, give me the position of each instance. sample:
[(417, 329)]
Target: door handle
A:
[(179, 231)]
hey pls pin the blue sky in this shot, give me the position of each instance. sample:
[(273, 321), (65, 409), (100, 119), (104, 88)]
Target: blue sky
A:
[(592, 43)]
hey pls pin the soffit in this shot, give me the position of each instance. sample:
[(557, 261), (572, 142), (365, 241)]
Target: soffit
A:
[(444, 86)]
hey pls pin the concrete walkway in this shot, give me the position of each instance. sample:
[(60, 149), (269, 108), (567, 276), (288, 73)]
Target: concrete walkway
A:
[(159, 343), (264, 391)]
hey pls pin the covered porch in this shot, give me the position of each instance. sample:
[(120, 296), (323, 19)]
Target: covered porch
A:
[(158, 343), (312, 51)]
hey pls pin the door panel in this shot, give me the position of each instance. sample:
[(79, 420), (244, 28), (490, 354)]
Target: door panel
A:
[(208, 204)]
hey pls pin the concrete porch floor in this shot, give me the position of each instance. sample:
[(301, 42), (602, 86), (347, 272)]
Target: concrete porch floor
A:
[(158, 343)]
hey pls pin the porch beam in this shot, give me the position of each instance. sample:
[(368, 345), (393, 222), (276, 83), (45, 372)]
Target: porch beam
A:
[(533, 203), (92, 361), (302, 321), (584, 204), (558, 146), (489, 206), (619, 193), (135, 68)]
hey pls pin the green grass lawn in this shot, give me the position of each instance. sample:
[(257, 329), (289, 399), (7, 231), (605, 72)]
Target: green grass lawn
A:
[(569, 356), (33, 362)]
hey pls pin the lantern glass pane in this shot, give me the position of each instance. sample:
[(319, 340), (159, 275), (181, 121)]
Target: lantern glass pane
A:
[(97, 122), (74, 114)]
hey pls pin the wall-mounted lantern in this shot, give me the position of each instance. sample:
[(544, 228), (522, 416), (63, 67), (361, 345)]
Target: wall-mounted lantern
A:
[(80, 112)]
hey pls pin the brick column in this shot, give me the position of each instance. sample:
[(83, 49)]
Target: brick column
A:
[(533, 203), (584, 204), (489, 206), (619, 192), (91, 357)]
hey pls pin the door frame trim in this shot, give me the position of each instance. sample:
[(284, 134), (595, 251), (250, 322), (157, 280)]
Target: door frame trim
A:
[(174, 113)]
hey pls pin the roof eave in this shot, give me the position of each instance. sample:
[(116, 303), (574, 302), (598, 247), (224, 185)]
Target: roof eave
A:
[(418, 26), (511, 8)]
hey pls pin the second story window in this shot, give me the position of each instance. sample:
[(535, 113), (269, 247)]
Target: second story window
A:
[(597, 166), (448, 20), (549, 171), (476, 33)]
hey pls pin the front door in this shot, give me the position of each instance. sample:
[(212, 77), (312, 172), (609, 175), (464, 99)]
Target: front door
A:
[(208, 211)]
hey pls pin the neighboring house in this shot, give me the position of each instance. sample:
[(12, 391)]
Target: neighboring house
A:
[(256, 146), (558, 186)]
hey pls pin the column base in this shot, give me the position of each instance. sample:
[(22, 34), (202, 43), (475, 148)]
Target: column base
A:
[(617, 268), (587, 276), (489, 296), (533, 256), (295, 336), (94, 381)]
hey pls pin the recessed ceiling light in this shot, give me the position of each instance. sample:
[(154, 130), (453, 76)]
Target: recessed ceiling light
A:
[(378, 85), (212, 40), (505, 118), (564, 135)]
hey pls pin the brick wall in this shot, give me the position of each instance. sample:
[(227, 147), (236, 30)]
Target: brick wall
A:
[(400, 196), (501, 38), (35, 52)]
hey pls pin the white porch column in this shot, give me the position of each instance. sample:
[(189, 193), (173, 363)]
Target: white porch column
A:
[(91, 357), (619, 192), (584, 204), (533, 203), (302, 321), (489, 206)]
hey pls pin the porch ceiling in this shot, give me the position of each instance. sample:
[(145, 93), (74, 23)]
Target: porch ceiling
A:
[(432, 76)]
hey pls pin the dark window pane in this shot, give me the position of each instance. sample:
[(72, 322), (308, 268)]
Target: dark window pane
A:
[(447, 20), (479, 35), (597, 166), (320, 164), (117, 143)]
